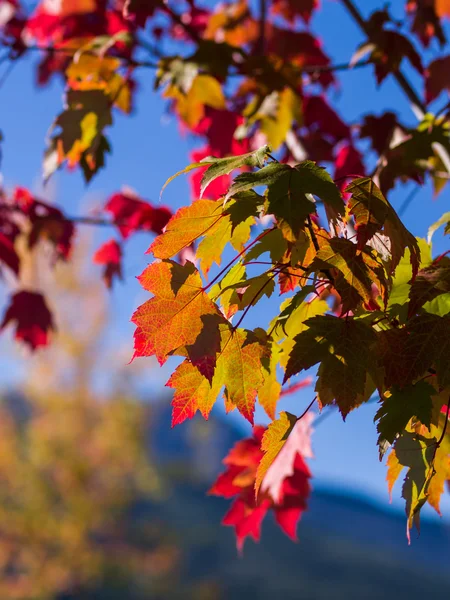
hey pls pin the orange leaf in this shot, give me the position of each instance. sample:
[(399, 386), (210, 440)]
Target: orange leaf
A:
[(175, 316), (188, 224)]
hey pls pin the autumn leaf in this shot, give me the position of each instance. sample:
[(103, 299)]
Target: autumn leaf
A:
[(187, 225), (110, 255), (32, 318), (402, 404), (290, 9), (431, 282), (132, 214), (357, 272), (291, 486), (283, 439), (91, 72), (343, 347), (417, 454), (193, 392), (190, 105), (174, 317), (80, 128), (373, 213)]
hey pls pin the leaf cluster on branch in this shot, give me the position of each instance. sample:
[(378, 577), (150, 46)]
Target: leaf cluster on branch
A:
[(287, 198)]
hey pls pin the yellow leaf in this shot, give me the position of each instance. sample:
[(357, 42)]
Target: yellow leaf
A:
[(273, 441)]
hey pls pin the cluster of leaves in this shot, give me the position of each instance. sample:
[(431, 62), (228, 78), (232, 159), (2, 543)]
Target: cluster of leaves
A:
[(365, 301), (369, 308)]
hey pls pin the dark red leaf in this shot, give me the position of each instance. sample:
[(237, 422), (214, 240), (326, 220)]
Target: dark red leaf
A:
[(110, 255), (33, 320)]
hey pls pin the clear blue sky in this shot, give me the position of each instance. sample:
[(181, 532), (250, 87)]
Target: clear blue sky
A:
[(147, 149)]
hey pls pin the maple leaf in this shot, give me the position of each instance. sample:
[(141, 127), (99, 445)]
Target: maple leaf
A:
[(417, 453), (427, 346), (357, 272), (387, 48), (441, 465), (234, 363), (276, 115), (248, 511), (220, 129), (80, 131), (431, 282), (110, 255), (32, 317), (348, 163), (397, 409), (47, 223), (373, 213), (291, 322), (193, 392), (283, 439), (174, 317), (425, 20), (188, 224), (379, 129), (131, 214), (190, 104), (318, 115), (289, 191), (343, 347), (290, 9), (91, 72), (218, 167)]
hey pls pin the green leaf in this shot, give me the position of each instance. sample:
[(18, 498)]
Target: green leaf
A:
[(344, 347), (431, 282), (396, 410), (400, 287), (222, 166), (417, 453), (444, 220), (272, 242), (242, 206), (265, 176)]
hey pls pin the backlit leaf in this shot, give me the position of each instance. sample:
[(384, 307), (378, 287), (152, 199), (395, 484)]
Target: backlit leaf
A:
[(343, 347), (373, 213)]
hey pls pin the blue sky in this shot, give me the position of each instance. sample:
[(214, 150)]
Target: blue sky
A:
[(147, 149)]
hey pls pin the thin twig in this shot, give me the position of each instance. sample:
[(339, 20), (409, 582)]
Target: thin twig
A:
[(307, 409)]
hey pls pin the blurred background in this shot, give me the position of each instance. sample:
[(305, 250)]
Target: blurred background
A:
[(99, 498)]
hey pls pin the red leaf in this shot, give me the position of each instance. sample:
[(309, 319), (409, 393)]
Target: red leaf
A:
[(217, 188), (379, 129), (348, 163), (437, 78), (219, 127), (319, 116), (110, 255), (8, 233), (131, 214), (47, 222), (247, 512), (33, 320), (290, 9)]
